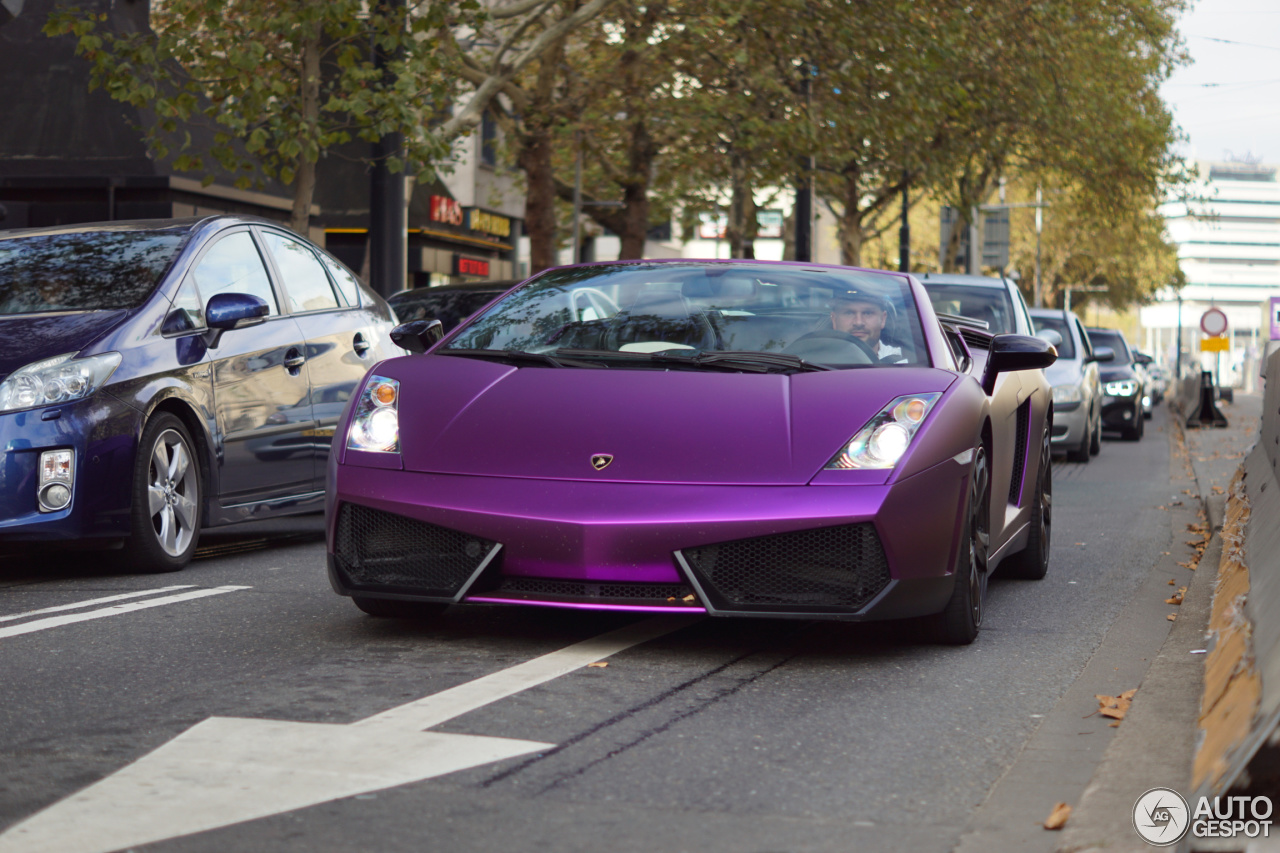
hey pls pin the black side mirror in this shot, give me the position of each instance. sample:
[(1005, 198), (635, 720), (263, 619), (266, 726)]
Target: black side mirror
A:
[(226, 311), (418, 336), (1016, 352), (1104, 354)]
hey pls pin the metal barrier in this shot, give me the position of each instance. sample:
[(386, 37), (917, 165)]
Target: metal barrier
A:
[(1240, 714)]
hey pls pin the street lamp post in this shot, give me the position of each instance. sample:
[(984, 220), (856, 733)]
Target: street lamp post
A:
[(904, 233)]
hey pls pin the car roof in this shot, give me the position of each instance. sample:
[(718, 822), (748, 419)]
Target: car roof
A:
[(956, 278)]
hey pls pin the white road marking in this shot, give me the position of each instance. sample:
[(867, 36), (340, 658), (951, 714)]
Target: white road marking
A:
[(228, 770), (114, 610), (92, 601)]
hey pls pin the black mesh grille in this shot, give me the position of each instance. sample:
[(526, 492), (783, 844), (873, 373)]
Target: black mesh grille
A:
[(1019, 452), (631, 593), (828, 567), (376, 548)]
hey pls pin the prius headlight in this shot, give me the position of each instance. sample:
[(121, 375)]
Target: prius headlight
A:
[(1122, 388), (60, 379), (881, 443), (376, 424)]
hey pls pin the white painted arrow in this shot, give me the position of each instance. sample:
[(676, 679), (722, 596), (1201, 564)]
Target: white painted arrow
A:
[(228, 770)]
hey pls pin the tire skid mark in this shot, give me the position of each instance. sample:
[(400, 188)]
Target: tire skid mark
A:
[(644, 706)]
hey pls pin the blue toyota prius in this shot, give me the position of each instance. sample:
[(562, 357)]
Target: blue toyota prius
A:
[(157, 377)]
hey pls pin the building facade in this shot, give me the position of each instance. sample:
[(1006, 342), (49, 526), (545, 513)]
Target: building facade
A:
[(1228, 239)]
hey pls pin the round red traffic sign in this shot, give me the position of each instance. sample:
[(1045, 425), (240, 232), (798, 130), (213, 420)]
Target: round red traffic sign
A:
[(1213, 322)]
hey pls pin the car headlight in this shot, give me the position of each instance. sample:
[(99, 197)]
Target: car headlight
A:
[(1066, 394), (1122, 388), (376, 424), (56, 380), (881, 443)]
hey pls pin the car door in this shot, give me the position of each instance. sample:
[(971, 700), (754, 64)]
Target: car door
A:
[(261, 398), (341, 339)]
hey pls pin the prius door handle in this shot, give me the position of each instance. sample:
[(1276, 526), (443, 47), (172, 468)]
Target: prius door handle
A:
[(360, 345), (294, 359)]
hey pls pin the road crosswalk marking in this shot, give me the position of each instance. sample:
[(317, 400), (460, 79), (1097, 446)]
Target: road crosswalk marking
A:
[(113, 610), (92, 601)]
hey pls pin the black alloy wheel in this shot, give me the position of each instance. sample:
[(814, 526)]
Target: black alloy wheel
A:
[(1032, 562), (166, 510), (958, 624)]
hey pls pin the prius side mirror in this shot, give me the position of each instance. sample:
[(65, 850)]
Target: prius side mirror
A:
[(227, 311)]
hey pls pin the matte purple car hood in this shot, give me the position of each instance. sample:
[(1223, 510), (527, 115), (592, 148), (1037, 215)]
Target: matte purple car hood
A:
[(29, 338), (472, 417)]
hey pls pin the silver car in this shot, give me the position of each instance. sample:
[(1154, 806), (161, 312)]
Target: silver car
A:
[(1077, 396)]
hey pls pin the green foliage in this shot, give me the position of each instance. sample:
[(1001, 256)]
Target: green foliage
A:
[(281, 81)]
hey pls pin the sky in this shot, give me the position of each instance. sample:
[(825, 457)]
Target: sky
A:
[(1227, 101)]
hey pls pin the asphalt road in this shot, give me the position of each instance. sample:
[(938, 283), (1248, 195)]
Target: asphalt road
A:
[(717, 736)]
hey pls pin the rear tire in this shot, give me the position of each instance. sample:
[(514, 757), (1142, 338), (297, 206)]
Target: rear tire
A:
[(389, 608), (1032, 562), (167, 501), (958, 624)]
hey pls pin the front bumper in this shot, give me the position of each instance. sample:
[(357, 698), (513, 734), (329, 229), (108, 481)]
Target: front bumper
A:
[(103, 433), (1070, 424), (650, 547), (1120, 412)]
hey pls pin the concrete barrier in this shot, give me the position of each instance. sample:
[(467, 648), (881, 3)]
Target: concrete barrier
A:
[(1240, 709)]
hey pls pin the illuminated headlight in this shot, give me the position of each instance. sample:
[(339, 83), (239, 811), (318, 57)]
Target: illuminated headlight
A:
[(1066, 394), (57, 470), (376, 424), (881, 443), (56, 380), (1123, 388), (1146, 401)]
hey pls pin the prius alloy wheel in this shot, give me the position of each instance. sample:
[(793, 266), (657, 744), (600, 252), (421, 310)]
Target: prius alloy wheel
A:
[(166, 510)]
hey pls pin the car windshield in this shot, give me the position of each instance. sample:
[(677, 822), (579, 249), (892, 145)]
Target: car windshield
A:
[(991, 304), (1066, 349), (755, 317), (1103, 338), (83, 270)]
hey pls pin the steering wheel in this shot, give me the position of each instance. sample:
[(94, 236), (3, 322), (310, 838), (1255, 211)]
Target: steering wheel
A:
[(828, 346)]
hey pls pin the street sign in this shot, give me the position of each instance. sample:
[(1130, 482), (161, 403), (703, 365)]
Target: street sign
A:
[(1213, 322), (1215, 344)]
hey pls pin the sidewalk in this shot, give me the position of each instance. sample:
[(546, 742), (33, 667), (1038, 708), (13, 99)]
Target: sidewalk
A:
[(1155, 745)]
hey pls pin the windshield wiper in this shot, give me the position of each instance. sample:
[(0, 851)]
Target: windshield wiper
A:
[(755, 362), (519, 357)]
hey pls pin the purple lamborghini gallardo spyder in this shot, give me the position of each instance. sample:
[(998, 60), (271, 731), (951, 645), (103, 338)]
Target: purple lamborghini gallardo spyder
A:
[(736, 438)]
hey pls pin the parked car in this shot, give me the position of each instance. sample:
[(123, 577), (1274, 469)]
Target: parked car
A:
[(1146, 365), (448, 303), (750, 460), (995, 301), (1077, 392), (1122, 385), (164, 376)]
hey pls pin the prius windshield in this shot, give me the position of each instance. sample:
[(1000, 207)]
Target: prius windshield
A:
[(723, 315), (83, 270)]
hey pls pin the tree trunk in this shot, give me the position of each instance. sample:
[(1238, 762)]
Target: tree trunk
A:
[(540, 198), (635, 221), (304, 179), (742, 226), (851, 236)]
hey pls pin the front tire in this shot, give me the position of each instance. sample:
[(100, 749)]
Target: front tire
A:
[(167, 498), (1032, 562), (1084, 451), (1095, 443), (959, 623)]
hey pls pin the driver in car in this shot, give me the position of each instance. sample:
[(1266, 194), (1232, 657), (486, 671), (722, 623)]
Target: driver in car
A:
[(864, 315)]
